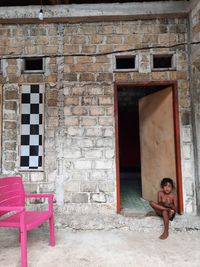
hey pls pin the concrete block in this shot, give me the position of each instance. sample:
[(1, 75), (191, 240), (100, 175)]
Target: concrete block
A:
[(80, 175), (88, 186), (88, 101), (75, 131), (97, 111), (104, 142), (88, 121), (71, 101), (71, 186), (105, 100), (108, 132), (106, 121), (80, 198), (82, 165), (36, 176), (109, 153), (107, 186), (71, 121), (188, 170), (144, 63), (187, 134), (98, 175), (94, 132), (189, 187), (103, 164), (72, 153), (98, 197), (93, 153), (79, 111), (83, 142), (187, 151)]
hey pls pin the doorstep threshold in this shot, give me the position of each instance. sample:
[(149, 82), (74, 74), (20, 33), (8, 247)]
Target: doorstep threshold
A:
[(132, 213)]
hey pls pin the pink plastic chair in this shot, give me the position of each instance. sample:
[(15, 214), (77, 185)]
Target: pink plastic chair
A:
[(12, 199)]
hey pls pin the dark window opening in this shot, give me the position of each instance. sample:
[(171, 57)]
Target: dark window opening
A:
[(33, 64), (125, 62), (162, 61)]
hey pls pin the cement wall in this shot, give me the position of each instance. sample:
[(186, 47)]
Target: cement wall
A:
[(195, 92), (79, 105)]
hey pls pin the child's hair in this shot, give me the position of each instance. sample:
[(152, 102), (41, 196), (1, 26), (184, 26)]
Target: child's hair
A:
[(165, 181)]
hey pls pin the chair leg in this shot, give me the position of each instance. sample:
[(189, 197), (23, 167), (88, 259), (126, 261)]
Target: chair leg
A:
[(23, 238), (51, 231), (19, 236)]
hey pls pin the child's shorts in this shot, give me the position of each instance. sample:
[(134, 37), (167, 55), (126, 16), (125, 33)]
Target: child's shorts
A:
[(171, 219)]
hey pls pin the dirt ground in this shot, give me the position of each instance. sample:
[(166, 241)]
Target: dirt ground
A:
[(104, 249)]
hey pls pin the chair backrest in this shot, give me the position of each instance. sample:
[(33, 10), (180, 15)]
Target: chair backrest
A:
[(11, 192)]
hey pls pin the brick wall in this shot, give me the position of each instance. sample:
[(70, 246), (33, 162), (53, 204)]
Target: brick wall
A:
[(79, 104)]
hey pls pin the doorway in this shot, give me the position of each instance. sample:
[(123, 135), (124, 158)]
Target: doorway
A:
[(147, 143)]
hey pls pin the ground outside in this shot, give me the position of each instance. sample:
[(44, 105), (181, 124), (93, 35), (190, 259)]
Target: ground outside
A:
[(114, 246)]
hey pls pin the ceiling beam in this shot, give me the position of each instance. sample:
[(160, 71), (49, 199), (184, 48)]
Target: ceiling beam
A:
[(96, 12)]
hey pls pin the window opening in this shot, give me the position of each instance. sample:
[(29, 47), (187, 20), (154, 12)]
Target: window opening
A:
[(162, 61), (33, 64), (125, 62), (32, 127)]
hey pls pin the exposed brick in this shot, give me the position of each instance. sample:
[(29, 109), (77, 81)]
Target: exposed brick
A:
[(11, 95), (105, 77), (84, 59), (86, 77), (97, 111), (71, 101), (10, 125), (71, 121), (105, 100), (70, 77)]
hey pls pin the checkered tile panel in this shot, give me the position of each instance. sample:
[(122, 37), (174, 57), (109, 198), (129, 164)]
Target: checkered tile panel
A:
[(32, 112)]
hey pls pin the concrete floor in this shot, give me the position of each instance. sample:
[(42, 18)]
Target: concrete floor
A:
[(131, 194), (103, 249)]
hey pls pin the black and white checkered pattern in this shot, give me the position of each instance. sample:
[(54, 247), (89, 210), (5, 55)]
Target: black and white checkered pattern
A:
[(32, 112)]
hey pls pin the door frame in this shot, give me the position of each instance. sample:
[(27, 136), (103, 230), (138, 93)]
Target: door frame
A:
[(174, 86)]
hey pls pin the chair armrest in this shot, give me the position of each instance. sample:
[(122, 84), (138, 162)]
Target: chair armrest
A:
[(39, 196), (49, 196)]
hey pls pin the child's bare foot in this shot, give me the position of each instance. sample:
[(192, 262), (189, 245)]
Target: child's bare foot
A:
[(164, 236), (151, 213)]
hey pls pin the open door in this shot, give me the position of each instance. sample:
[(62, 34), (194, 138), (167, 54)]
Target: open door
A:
[(157, 141)]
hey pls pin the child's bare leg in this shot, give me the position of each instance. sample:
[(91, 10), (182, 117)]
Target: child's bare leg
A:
[(160, 210), (165, 216), (156, 206)]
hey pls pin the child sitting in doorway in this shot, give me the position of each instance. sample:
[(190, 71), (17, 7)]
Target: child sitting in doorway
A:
[(166, 205)]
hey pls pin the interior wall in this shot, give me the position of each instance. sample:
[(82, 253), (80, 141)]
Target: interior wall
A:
[(129, 143)]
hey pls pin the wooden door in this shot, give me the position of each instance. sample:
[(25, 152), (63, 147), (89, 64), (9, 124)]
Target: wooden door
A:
[(157, 141)]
